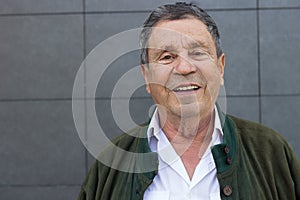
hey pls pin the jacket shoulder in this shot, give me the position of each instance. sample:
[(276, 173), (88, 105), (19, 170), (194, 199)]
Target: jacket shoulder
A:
[(258, 133), (262, 142), (267, 154), (131, 139), (114, 162)]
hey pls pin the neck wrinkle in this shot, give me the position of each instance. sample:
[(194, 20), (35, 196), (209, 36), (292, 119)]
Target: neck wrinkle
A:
[(188, 130)]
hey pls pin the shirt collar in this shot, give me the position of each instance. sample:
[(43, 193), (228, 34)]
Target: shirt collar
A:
[(154, 126)]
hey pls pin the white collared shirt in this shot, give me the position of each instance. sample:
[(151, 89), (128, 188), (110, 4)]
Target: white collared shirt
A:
[(172, 181)]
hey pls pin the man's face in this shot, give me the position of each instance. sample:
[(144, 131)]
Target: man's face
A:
[(184, 74)]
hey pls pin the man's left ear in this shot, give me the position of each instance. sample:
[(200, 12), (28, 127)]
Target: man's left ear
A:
[(221, 65)]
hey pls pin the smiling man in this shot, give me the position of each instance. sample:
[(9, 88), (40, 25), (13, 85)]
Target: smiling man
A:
[(183, 76), (197, 151)]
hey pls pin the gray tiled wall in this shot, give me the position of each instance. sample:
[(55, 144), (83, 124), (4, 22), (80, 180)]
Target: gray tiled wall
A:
[(40, 6), (39, 55), (40, 192), (282, 114), (43, 44), (238, 31), (127, 5), (279, 41), (278, 3)]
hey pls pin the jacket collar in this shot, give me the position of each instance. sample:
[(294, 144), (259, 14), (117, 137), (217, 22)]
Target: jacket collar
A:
[(224, 154)]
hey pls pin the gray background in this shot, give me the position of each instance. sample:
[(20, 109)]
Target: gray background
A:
[(43, 42)]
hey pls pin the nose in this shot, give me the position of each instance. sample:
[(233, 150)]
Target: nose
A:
[(184, 66)]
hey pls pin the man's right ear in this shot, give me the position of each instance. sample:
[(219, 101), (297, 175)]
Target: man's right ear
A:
[(145, 72)]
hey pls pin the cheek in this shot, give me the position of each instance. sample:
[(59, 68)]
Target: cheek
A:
[(160, 75), (214, 79), (215, 84), (212, 73), (158, 94)]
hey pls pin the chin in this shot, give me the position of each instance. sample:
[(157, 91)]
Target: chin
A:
[(196, 110), (186, 111)]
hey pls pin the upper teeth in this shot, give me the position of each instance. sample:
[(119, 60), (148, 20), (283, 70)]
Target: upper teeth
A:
[(192, 87)]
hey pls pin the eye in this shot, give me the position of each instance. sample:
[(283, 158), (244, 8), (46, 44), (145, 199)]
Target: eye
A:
[(166, 58), (198, 54)]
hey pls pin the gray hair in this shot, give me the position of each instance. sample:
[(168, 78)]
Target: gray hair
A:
[(179, 10)]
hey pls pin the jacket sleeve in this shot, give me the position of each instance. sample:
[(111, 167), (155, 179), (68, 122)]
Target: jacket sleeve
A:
[(88, 189), (82, 194), (295, 171)]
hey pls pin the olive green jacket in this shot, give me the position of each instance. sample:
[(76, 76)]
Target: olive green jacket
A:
[(253, 162)]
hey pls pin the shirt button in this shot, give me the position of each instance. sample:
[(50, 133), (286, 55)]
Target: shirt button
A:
[(228, 160), (227, 149), (227, 190)]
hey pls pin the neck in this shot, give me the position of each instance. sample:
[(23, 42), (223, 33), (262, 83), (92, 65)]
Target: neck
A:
[(189, 130)]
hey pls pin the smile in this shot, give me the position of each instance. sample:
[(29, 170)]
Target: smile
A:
[(186, 88)]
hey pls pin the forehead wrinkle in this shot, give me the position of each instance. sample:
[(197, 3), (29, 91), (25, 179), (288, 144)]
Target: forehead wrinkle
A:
[(186, 43), (175, 48), (193, 44), (175, 43)]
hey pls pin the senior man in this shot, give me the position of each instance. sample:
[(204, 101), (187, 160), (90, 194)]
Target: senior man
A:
[(197, 151)]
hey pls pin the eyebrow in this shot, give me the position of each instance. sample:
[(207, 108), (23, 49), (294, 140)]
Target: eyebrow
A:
[(190, 45), (196, 44), (167, 48)]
